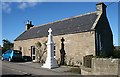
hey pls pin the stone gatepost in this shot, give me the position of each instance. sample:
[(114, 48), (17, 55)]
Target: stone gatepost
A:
[(50, 60)]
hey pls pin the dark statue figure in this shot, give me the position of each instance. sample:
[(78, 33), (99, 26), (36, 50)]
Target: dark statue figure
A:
[(62, 52)]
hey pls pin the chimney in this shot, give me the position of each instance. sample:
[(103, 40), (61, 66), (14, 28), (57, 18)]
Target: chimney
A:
[(29, 25), (101, 8)]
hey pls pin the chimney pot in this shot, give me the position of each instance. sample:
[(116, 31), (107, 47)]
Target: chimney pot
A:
[(27, 22), (30, 22), (101, 7), (29, 25)]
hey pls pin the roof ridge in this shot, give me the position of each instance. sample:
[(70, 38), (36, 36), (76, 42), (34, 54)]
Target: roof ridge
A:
[(65, 19)]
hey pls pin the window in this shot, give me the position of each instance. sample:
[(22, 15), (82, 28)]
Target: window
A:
[(17, 52), (7, 51), (100, 46), (20, 48), (54, 50), (33, 50), (33, 57), (98, 43), (10, 51)]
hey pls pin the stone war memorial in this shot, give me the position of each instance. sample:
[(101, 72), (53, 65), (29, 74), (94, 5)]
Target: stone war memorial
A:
[(50, 60)]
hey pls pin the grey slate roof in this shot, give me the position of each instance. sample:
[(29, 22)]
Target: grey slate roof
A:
[(67, 26)]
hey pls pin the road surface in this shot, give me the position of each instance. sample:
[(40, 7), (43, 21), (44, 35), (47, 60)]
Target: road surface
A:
[(11, 68), (23, 69)]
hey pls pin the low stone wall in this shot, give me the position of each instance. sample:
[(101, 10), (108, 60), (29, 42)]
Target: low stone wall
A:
[(103, 66), (106, 66)]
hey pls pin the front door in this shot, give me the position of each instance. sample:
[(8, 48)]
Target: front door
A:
[(33, 52)]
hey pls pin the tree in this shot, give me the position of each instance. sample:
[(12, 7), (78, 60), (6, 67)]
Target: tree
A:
[(116, 53), (40, 50), (7, 45)]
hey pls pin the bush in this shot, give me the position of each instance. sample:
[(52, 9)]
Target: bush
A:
[(116, 53)]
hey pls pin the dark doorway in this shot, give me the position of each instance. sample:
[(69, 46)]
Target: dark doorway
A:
[(62, 52)]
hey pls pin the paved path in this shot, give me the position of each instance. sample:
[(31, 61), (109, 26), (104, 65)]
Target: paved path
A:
[(61, 69)]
